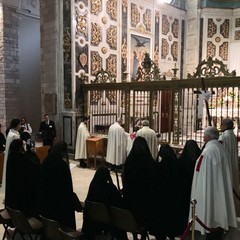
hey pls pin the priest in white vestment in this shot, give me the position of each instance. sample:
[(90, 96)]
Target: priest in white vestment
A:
[(151, 137), (229, 141), (81, 142), (117, 144), (13, 133), (212, 187)]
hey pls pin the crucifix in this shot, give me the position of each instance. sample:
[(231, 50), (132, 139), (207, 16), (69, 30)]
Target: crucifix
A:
[(206, 95)]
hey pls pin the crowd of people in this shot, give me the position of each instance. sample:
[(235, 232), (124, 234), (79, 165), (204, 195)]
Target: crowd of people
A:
[(158, 185), (38, 189)]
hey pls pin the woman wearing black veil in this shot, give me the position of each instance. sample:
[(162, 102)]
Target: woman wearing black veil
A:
[(138, 182)]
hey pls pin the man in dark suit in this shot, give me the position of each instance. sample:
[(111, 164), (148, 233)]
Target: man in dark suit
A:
[(47, 131)]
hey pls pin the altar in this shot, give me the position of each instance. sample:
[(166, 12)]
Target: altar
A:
[(96, 149)]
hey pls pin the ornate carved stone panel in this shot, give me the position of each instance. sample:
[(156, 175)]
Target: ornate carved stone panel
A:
[(135, 15), (112, 9), (112, 37), (96, 34), (96, 62)]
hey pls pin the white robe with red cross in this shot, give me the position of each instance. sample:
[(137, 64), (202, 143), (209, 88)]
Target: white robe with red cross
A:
[(212, 188), (229, 141)]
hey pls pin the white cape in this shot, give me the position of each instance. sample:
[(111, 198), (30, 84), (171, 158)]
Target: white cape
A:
[(117, 144), (81, 144), (212, 188)]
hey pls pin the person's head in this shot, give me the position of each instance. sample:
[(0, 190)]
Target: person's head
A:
[(191, 150), (16, 147), (102, 175), (227, 124), (61, 148), (15, 124), (145, 123), (86, 119), (23, 120), (210, 133), (140, 146), (25, 136), (46, 117), (120, 120), (166, 152)]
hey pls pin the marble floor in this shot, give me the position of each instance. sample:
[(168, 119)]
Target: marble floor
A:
[(81, 180)]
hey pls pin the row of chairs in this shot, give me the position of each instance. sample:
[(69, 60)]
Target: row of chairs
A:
[(122, 219), (33, 229)]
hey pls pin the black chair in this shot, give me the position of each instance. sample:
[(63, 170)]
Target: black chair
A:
[(124, 220), (6, 221), (51, 228), (98, 213), (29, 226), (70, 234)]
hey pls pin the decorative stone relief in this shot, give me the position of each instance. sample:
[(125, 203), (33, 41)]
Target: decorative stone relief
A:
[(237, 35), (96, 34), (124, 51), (211, 49), (147, 20), (112, 97), (212, 28), (135, 15), (223, 51), (224, 28), (165, 25), (174, 50), (112, 9), (81, 25), (111, 63), (165, 48), (66, 43), (96, 61), (112, 37), (96, 6), (175, 28), (237, 22)]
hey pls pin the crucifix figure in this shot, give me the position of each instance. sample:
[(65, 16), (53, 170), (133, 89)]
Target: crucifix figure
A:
[(206, 96)]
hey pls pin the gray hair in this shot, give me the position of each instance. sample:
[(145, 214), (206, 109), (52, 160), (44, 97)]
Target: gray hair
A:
[(145, 123), (228, 123), (212, 132)]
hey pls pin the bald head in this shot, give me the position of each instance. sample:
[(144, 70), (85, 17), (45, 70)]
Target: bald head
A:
[(211, 133), (227, 123), (145, 123)]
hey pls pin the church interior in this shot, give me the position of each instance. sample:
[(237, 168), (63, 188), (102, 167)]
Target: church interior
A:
[(175, 63)]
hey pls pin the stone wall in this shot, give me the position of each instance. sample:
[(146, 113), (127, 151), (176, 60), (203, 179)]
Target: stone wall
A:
[(9, 75)]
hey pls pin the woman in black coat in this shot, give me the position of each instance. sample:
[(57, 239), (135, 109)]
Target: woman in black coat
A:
[(57, 198), (22, 179), (102, 190), (186, 161), (164, 222), (138, 181)]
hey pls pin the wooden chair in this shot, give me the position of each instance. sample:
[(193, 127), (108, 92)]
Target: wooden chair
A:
[(24, 225), (42, 152), (51, 228), (124, 220), (6, 221), (67, 234)]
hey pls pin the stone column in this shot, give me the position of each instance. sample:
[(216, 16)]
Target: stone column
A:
[(9, 61), (52, 61)]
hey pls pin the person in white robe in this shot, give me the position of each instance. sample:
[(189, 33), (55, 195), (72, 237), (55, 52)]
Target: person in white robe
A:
[(151, 137), (229, 141), (117, 144), (212, 187), (13, 133), (81, 142)]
